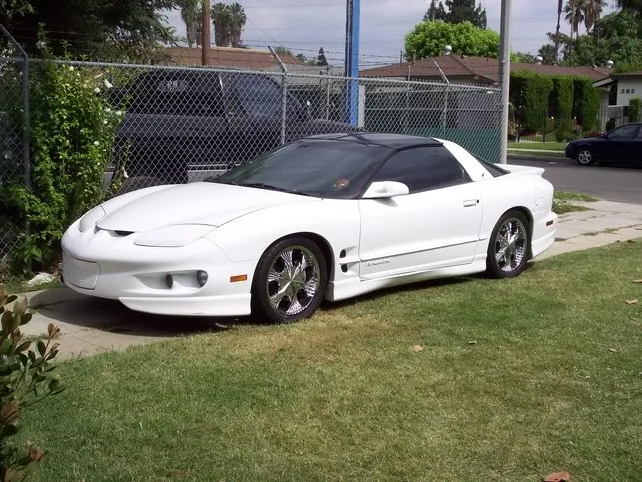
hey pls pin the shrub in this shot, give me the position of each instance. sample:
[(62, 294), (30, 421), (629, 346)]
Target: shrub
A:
[(586, 104), (634, 109), (25, 379), (72, 135), (530, 94), (561, 103)]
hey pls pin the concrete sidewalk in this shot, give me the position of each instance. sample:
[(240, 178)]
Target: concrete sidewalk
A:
[(89, 326)]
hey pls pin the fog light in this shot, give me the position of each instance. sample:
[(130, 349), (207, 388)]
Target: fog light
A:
[(201, 276), (170, 281)]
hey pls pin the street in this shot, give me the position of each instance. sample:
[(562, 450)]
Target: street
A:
[(620, 184)]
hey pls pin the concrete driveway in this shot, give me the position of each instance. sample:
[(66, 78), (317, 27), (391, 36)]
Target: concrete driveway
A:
[(90, 326)]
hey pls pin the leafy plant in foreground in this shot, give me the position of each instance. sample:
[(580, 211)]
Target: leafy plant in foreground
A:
[(25, 379)]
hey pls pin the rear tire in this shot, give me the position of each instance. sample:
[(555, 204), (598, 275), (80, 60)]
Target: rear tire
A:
[(585, 157), (290, 281), (509, 246)]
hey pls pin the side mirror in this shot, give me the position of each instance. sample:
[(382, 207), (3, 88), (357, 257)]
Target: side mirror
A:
[(386, 190)]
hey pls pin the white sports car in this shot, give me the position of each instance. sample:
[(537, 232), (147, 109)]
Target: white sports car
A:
[(331, 216)]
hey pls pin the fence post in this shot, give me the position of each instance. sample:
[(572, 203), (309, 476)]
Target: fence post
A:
[(444, 119), (284, 109), (327, 95)]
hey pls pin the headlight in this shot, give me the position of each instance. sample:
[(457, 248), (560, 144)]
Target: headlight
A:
[(90, 219), (173, 236)]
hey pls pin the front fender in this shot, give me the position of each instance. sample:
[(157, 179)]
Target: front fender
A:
[(337, 221)]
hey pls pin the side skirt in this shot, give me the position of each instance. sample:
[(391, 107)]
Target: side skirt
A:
[(350, 288)]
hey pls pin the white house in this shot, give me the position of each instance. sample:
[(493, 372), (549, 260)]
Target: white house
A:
[(627, 86)]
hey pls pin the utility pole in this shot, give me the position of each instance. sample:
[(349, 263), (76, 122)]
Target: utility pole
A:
[(206, 21), (353, 11), (504, 79), (434, 7)]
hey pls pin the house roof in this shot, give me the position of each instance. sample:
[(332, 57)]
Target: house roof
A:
[(228, 57), (481, 69), (628, 74)]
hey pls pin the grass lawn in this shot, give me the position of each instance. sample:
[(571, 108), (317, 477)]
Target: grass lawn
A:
[(538, 146), (563, 201), (516, 379)]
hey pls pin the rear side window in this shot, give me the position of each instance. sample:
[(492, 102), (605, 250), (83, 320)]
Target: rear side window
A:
[(423, 169), (178, 93), (494, 169)]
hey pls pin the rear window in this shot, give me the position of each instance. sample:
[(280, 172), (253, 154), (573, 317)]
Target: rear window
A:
[(494, 169)]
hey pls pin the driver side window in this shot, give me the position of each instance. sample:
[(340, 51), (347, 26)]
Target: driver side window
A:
[(624, 132), (423, 169)]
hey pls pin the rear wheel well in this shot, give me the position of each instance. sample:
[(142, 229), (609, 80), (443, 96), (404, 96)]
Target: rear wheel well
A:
[(529, 218)]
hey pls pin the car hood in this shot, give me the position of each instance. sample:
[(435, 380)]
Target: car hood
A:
[(208, 203)]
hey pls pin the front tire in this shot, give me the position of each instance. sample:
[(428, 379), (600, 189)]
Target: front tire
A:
[(509, 246), (585, 157), (290, 281)]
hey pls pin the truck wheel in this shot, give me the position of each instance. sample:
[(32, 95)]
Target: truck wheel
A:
[(138, 182)]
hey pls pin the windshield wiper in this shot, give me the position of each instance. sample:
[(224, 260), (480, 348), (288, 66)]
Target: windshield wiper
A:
[(261, 185)]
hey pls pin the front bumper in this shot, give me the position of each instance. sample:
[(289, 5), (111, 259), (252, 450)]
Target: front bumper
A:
[(102, 264)]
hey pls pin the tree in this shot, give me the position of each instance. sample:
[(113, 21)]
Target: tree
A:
[(574, 11), (521, 57), (191, 13), (122, 30), (614, 37), (220, 14), (428, 39), (560, 8), (592, 12), (458, 11), (548, 54), (229, 21), (238, 19)]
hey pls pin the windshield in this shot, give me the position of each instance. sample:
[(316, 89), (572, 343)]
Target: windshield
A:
[(324, 168)]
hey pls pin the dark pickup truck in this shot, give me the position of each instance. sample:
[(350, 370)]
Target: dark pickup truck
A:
[(185, 120)]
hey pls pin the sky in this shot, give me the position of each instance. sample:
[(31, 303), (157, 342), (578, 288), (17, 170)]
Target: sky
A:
[(305, 25)]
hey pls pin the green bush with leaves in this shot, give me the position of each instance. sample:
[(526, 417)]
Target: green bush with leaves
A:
[(634, 109), (586, 103), (561, 106), (73, 129), (25, 379), (530, 93)]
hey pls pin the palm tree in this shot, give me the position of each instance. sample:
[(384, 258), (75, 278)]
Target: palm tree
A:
[(237, 22), (191, 14), (220, 14), (560, 7), (574, 11), (592, 12)]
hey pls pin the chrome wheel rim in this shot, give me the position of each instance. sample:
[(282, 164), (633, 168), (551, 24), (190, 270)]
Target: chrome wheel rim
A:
[(585, 157), (293, 280), (510, 245)]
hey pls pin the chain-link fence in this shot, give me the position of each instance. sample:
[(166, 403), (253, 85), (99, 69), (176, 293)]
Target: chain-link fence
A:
[(184, 124), (14, 147)]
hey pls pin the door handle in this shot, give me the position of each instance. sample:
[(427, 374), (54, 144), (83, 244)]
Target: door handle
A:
[(471, 202)]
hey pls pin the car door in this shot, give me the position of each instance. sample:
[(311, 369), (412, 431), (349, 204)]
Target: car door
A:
[(621, 144), (434, 226)]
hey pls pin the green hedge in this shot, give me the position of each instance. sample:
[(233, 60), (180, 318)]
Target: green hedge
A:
[(561, 106), (587, 103), (530, 97), (634, 109), (536, 98)]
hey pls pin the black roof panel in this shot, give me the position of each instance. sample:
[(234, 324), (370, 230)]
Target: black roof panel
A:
[(395, 141)]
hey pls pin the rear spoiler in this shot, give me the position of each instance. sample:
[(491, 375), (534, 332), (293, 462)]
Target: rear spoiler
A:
[(523, 170)]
